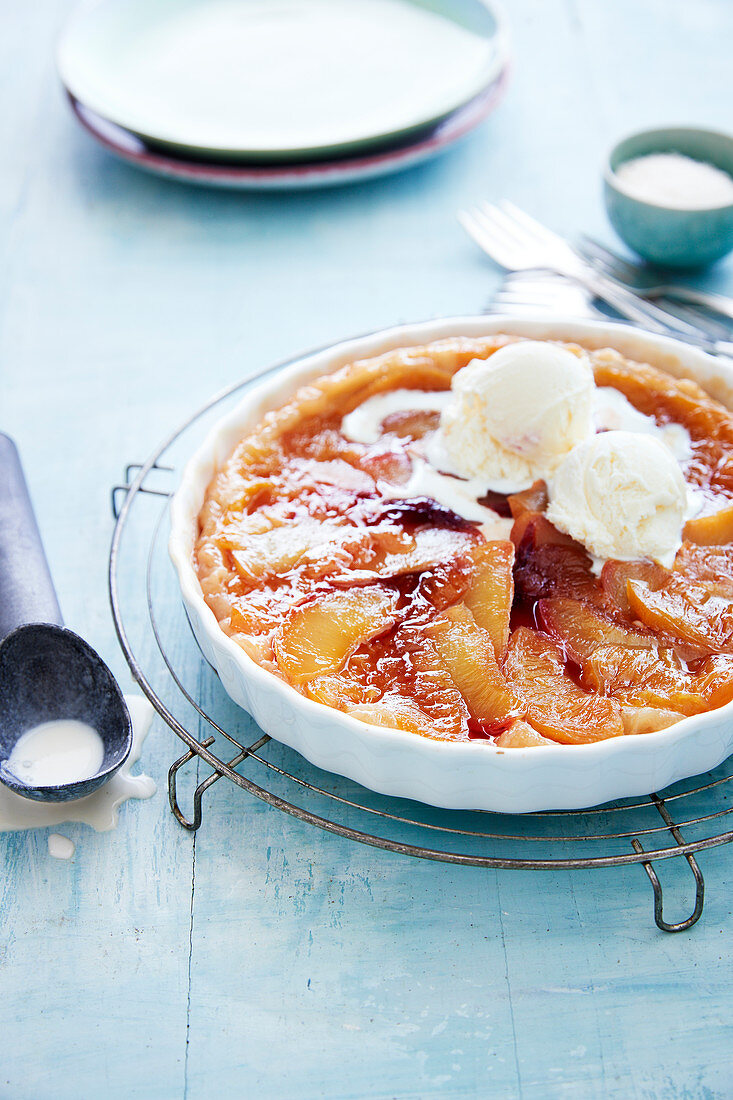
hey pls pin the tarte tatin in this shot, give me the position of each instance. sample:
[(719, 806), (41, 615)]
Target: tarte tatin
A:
[(335, 568)]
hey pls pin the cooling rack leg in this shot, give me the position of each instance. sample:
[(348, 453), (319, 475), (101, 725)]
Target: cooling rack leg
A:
[(658, 899), (198, 793), (130, 470)]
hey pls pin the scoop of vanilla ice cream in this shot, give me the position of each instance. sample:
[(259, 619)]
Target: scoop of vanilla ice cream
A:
[(621, 494), (514, 416)]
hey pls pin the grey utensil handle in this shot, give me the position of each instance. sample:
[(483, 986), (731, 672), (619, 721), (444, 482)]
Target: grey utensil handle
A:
[(27, 594), (717, 303), (649, 316)]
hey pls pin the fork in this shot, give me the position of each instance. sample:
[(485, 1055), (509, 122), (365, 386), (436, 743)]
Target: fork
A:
[(545, 292), (518, 243), (643, 283)]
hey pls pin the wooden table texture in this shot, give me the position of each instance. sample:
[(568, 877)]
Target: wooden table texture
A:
[(263, 957)]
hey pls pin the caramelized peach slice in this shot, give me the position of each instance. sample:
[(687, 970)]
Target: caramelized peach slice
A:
[(262, 609), (467, 652), (581, 628), (243, 494), (339, 691), (520, 735), (711, 566), (551, 564), (411, 423), (490, 593), (319, 635), (712, 530), (445, 584), (714, 679), (269, 545), (433, 546), (616, 574), (643, 678), (686, 610), (648, 719), (388, 538), (326, 471), (428, 681), (259, 649), (533, 499), (531, 526), (388, 465), (394, 712), (556, 706)]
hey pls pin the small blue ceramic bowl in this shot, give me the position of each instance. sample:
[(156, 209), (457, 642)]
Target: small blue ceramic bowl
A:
[(666, 235)]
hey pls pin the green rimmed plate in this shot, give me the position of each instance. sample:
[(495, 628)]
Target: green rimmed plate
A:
[(279, 79)]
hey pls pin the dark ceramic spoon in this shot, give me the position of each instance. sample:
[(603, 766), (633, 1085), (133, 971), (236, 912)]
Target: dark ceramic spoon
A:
[(46, 671)]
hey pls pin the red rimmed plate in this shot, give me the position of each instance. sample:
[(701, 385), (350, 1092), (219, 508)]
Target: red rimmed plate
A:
[(326, 173)]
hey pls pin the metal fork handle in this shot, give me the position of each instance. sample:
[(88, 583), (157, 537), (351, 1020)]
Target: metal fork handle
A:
[(682, 302), (625, 305), (656, 320), (653, 313), (570, 261), (716, 303), (639, 279), (623, 301)]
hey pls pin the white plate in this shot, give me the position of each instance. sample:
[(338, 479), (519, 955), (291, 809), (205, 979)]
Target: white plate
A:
[(279, 78), (456, 775), (298, 176)]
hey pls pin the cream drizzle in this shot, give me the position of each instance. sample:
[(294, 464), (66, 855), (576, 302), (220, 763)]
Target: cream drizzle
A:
[(60, 847), (99, 809), (452, 492), (612, 411), (364, 424), (53, 753)]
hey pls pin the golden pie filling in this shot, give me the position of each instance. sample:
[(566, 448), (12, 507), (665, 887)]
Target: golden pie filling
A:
[(331, 561)]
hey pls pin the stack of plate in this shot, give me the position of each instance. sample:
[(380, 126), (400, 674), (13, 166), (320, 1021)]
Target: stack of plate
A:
[(282, 93)]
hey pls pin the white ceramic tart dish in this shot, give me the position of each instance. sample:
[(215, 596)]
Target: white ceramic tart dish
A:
[(452, 774)]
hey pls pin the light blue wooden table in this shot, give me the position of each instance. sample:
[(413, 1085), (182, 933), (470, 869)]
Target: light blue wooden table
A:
[(271, 959)]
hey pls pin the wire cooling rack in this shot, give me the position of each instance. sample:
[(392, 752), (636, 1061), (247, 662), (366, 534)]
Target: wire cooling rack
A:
[(160, 649)]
